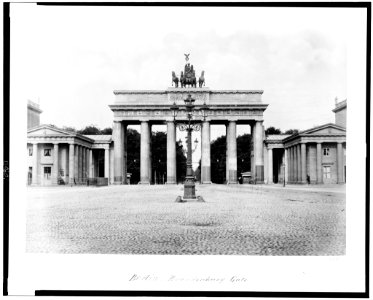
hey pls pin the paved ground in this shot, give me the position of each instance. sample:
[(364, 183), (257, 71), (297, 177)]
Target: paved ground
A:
[(243, 220)]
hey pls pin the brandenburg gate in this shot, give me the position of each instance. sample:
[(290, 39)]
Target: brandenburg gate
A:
[(227, 107)]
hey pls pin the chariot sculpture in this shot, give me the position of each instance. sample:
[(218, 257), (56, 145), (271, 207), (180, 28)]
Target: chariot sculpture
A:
[(188, 76)]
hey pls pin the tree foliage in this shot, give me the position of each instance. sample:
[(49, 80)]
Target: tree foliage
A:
[(291, 131), (158, 158), (219, 153), (272, 130)]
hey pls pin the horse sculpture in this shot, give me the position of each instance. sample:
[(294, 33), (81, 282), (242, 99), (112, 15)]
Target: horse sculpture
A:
[(201, 80), (175, 79)]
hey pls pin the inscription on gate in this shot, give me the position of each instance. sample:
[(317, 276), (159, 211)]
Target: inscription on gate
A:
[(175, 97)]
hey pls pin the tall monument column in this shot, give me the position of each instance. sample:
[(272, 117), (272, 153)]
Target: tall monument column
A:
[(35, 164), (206, 154), (55, 164), (71, 164), (171, 152), (299, 163), (118, 136), (303, 158), (232, 153), (318, 164), (270, 166), (145, 153), (258, 149)]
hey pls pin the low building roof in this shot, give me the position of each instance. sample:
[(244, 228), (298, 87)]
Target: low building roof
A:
[(99, 138)]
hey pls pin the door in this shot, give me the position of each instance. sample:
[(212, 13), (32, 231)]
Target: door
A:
[(327, 175), (47, 172)]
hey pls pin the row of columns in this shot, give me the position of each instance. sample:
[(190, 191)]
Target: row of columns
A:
[(120, 152), (80, 160)]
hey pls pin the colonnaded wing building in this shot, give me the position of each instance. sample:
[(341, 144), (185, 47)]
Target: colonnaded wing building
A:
[(57, 156)]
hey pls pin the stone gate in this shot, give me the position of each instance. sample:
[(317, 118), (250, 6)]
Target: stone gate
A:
[(227, 107)]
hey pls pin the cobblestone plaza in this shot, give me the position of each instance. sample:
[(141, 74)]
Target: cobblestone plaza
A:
[(238, 220)]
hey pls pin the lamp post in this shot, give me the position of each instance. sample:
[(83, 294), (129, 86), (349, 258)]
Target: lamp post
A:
[(189, 127)]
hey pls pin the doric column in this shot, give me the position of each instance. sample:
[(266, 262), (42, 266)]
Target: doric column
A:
[(84, 163), (71, 163), (76, 164), (171, 153), (318, 164), (299, 165), (206, 154), (125, 147), (55, 164), (295, 165), (145, 153), (35, 164), (270, 165), (106, 175), (339, 163), (118, 152), (303, 162), (226, 153), (80, 162), (90, 163), (286, 164), (258, 148), (232, 153)]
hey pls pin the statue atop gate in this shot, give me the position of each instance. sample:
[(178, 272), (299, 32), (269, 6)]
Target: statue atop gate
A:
[(188, 76)]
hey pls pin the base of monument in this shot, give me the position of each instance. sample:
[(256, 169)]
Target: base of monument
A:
[(182, 199), (206, 182), (171, 182)]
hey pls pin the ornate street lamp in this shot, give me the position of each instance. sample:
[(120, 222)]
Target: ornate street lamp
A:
[(189, 127)]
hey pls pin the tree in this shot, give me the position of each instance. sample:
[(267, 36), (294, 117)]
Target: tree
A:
[(272, 130), (218, 159), (158, 159), (291, 131), (107, 130), (67, 128), (219, 153), (90, 130), (243, 154)]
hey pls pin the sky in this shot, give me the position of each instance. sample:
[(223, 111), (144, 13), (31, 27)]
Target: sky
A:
[(70, 59)]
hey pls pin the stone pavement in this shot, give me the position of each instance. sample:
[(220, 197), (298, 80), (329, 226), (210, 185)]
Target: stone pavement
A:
[(237, 219)]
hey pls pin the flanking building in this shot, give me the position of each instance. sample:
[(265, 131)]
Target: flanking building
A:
[(316, 155)]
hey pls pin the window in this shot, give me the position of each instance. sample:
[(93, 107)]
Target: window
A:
[(47, 152), (47, 172), (30, 151), (326, 151), (326, 172)]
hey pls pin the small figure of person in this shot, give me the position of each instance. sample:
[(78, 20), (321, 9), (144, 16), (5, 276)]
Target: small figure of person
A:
[(308, 179)]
